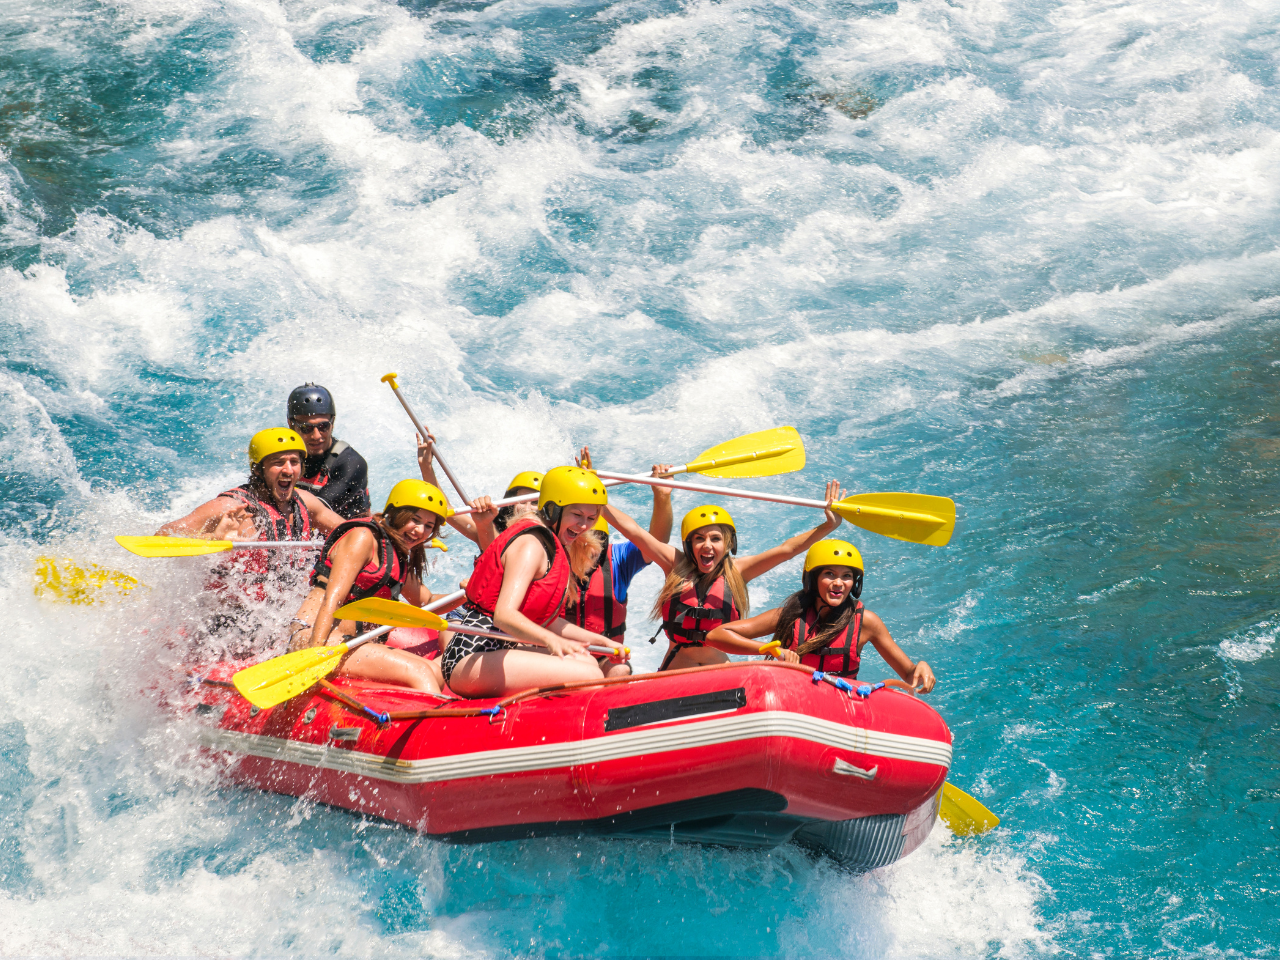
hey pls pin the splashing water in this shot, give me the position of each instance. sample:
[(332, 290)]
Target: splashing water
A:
[(1018, 254)]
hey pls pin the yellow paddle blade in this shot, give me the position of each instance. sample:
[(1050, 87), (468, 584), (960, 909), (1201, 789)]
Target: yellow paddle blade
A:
[(765, 453), (915, 517), (65, 581), (963, 814), (391, 613), (172, 546), (282, 678)]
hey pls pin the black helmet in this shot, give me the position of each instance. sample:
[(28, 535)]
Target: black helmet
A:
[(309, 400)]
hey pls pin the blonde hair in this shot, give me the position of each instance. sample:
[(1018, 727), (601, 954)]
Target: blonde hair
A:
[(583, 553), (685, 572)]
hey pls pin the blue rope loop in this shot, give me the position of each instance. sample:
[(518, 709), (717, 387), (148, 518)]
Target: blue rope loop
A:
[(492, 712), (840, 683), (378, 716), (866, 689), (818, 676)]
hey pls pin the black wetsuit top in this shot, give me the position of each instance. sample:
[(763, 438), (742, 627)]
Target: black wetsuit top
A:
[(339, 477)]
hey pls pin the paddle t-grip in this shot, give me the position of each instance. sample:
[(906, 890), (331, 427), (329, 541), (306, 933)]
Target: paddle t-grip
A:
[(390, 380)]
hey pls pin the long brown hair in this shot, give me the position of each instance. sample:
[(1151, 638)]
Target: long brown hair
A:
[(801, 602), (685, 572), (392, 522)]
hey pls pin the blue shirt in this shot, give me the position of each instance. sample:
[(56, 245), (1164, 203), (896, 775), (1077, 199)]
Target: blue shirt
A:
[(627, 562)]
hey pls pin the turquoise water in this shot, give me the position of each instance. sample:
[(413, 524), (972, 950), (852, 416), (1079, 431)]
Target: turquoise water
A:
[(1020, 254)]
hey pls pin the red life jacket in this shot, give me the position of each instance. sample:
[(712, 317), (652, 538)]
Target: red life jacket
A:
[(840, 656), (248, 570), (689, 617), (546, 595), (383, 576), (597, 610)]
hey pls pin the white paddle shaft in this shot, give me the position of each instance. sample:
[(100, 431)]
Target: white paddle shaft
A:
[(530, 497), (717, 491), (390, 380), (276, 544)]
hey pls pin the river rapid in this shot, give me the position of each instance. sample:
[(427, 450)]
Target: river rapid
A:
[(1022, 254)]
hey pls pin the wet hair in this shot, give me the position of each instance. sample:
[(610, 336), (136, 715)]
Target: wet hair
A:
[(392, 522), (801, 602), (685, 572)]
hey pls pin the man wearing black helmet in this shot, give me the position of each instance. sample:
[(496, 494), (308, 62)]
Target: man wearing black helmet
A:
[(332, 470)]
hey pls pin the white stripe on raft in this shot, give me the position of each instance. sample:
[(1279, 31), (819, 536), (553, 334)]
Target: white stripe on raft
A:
[(553, 756)]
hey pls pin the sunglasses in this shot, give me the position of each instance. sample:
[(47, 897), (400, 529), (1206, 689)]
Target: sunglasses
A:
[(324, 426)]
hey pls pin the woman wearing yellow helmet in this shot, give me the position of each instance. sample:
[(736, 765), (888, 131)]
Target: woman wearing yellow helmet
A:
[(824, 625), (520, 585), (379, 557), (706, 586)]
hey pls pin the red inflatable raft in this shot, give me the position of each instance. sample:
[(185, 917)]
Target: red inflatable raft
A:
[(740, 754)]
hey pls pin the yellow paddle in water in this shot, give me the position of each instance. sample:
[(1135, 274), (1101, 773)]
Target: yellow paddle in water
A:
[(63, 580), (395, 614), (284, 677), (963, 814), (915, 517)]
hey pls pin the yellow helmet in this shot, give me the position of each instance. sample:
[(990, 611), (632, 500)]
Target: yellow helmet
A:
[(565, 485), (835, 553), (275, 440), (529, 478), (703, 516), (832, 553), (420, 494)]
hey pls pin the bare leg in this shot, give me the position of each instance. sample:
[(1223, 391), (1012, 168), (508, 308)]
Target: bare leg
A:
[(502, 672), (376, 662), (615, 668)]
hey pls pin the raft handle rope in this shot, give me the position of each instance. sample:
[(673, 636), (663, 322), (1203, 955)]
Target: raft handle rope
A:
[(501, 707), (378, 716)]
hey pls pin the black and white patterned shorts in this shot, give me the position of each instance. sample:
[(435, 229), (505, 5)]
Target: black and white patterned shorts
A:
[(464, 644)]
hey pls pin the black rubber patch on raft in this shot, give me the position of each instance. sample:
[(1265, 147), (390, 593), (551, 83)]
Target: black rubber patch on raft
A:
[(637, 715)]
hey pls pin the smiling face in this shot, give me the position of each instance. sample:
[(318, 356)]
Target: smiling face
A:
[(577, 519), (417, 527), (707, 546), (316, 433), (834, 584), (280, 471)]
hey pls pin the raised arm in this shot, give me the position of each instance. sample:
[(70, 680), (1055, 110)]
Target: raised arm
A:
[(660, 520), (753, 566), (654, 551), (917, 674), (464, 524), (740, 636)]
